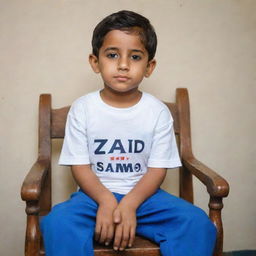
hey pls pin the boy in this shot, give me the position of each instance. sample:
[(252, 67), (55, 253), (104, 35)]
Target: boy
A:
[(119, 143)]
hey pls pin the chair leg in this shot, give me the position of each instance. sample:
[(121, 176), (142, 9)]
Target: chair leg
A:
[(215, 207), (32, 243)]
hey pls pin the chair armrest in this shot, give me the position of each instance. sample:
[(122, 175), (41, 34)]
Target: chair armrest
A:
[(33, 183), (216, 185)]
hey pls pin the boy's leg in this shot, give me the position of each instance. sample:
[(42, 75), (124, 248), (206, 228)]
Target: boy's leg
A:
[(179, 227), (69, 228)]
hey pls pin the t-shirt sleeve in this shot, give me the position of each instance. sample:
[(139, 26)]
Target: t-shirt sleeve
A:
[(75, 146), (164, 152)]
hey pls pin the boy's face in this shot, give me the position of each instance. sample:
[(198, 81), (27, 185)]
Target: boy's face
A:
[(123, 61)]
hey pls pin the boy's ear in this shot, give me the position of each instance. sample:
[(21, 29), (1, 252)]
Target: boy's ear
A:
[(94, 63), (150, 67)]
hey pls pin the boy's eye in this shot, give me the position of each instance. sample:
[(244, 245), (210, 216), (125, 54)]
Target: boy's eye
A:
[(136, 57), (112, 55)]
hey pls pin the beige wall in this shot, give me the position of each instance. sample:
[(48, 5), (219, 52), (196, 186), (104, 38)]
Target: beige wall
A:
[(206, 46)]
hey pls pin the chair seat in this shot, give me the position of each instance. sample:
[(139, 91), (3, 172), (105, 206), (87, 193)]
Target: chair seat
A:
[(141, 246)]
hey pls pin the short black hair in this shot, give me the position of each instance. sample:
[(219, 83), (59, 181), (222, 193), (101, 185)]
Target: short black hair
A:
[(126, 21)]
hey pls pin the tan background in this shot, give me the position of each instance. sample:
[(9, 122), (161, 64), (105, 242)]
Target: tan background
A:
[(206, 46)]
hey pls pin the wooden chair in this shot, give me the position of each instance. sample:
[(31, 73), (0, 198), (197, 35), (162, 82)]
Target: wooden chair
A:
[(36, 188)]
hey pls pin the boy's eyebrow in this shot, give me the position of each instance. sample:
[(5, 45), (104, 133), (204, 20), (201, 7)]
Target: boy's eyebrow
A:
[(111, 49), (116, 49), (136, 50)]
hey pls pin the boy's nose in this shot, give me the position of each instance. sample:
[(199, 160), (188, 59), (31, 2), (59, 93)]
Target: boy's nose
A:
[(123, 64)]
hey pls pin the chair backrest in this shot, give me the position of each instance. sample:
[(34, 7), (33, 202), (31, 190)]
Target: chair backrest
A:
[(52, 126)]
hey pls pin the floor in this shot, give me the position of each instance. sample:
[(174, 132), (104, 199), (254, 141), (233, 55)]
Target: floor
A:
[(240, 253)]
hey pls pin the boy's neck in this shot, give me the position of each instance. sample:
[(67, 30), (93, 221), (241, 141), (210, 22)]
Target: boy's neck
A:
[(120, 99)]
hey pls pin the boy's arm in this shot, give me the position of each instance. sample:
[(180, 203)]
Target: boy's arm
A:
[(91, 185), (125, 213)]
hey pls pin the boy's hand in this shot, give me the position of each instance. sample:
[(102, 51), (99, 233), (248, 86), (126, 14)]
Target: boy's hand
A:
[(104, 230), (125, 220)]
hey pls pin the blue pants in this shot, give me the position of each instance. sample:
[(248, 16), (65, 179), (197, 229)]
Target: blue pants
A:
[(180, 228)]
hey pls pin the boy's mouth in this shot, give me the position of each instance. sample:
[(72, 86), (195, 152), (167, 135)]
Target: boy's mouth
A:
[(121, 78)]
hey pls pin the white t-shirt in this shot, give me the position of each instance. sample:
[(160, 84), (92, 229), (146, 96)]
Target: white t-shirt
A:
[(119, 143)]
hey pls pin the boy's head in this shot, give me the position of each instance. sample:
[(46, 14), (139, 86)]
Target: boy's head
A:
[(126, 21)]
